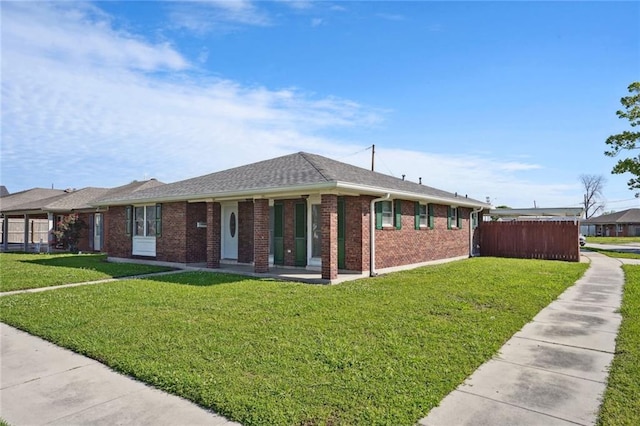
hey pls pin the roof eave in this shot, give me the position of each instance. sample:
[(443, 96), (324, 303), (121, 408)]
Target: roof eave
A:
[(407, 195)]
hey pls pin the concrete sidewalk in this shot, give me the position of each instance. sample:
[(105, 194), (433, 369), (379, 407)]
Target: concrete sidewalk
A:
[(554, 370), (41, 383)]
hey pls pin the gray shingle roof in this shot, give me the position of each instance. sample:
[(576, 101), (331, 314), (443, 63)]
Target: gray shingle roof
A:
[(11, 201), (56, 200), (290, 171), (624, 216)]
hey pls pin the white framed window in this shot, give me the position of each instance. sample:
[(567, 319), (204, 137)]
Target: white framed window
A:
[(424, 216), (146, 221), (454, 218), (387, 213)]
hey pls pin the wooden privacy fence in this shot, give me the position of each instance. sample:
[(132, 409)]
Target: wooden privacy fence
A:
[(554, 240), (38, 230)]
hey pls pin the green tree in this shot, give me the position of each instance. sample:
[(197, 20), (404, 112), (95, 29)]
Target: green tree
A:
[(69, 229), (628, 139)]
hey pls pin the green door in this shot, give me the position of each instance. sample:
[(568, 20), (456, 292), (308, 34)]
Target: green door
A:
[(278, 234), (300, 234), (341, 234)]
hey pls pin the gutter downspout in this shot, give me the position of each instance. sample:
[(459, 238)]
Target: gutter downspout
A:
[(372, 234), (474, 211)]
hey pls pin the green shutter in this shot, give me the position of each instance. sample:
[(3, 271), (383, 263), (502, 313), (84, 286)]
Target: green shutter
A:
[(128, 213), (449, 214), (416, 213), (431, 216), (459, 216), (158, 220), (378, 215), (398, 213)]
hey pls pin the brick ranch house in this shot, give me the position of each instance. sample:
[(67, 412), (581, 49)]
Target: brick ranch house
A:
[(625, 223), (299, 210), (43, 209)]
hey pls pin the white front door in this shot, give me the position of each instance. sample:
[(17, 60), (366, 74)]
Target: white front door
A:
[(97, 232), (230, 231)]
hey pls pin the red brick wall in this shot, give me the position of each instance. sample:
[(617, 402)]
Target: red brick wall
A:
[(196, 237), (396, 247), (357, 233), (116, 242), (261, 233), (245, 231), (171, 244), (329, 227), (214, 219)]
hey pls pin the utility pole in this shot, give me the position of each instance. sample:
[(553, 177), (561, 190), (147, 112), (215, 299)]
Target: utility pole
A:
[(373, 154)]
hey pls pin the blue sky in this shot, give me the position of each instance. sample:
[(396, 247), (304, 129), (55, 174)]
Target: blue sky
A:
[(507, 100)]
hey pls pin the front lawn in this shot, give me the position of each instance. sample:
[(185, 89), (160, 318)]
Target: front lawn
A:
[(621, 404), (23, 271), (380, 350)]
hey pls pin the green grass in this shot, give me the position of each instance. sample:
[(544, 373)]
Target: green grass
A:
[(380, 350), (621, 405), (23, 271), (615, 253), (613, 240)]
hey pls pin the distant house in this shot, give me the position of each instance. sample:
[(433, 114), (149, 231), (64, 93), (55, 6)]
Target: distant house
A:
[(29, 217), (625, 223), (300, 210)]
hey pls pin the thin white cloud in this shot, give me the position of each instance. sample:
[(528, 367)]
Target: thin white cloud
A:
[(221, 15), (83, 36), (316, 22), (471, 175), (93, 122)]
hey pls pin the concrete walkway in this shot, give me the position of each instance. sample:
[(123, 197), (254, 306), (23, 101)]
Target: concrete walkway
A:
[(554, 370), (41, 383)]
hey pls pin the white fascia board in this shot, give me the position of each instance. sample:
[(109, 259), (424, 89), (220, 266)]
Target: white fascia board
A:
[(459, 201)]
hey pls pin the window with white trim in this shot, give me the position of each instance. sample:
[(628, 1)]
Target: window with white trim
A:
[(387, 213), (146, 221), (424, 216)]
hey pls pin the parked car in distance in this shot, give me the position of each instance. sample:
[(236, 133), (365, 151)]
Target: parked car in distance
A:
[(582, 240)]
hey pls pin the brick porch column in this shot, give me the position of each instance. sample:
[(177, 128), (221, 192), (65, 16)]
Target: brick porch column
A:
[(329, 227), (213, 234), (261, 235)]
